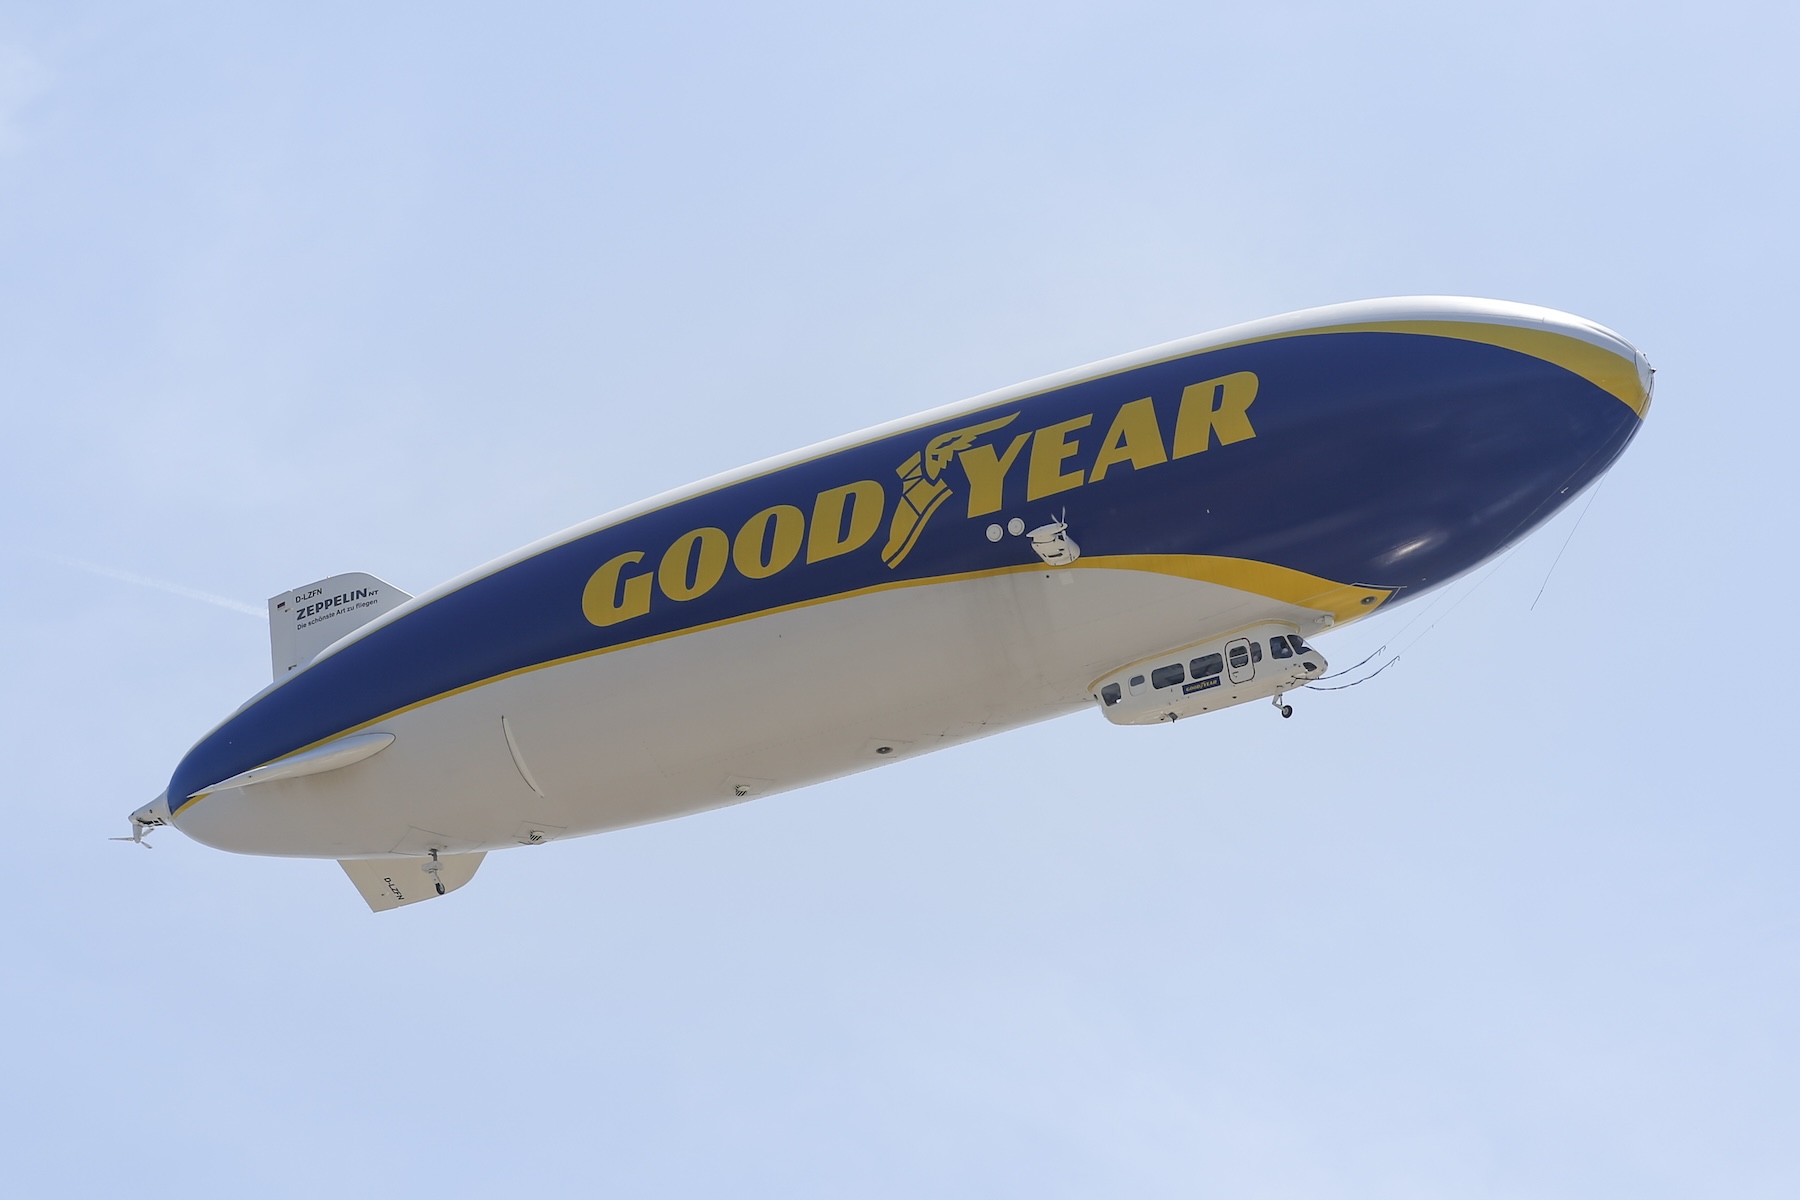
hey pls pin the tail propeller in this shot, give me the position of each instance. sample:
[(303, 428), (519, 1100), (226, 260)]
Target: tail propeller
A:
[(153, 815)]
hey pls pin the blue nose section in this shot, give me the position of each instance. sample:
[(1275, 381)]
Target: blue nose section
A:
[(1418, 451), (1544, 418)]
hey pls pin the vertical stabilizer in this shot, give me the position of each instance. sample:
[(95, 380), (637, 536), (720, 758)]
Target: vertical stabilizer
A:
[(308, 619)]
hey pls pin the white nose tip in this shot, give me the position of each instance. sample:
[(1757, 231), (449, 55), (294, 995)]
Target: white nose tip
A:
[(1646, 380)]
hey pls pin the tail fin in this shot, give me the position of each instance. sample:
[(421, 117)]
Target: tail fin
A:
[(307, 619), (390, 882)]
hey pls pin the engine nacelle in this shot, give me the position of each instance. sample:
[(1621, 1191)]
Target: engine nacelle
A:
[(1248, 665)]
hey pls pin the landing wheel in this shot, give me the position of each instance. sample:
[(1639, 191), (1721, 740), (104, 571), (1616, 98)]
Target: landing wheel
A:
[(432, 868), (1287, 710)]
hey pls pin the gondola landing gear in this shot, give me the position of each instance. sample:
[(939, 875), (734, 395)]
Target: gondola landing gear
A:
[(432, 868), (1286, 710)]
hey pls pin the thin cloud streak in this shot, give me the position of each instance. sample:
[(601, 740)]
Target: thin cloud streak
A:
[(163, 585)]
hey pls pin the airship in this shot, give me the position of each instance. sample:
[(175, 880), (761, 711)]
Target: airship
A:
[(1154, 537)]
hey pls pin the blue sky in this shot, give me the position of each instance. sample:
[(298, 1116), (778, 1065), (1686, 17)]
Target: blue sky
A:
[(285, 293)]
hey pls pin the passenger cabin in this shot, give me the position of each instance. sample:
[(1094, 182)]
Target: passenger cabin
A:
[(1265, 660)]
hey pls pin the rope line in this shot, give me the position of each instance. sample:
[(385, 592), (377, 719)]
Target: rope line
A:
[(1348, 670), (1592, 496), (1344, 687), (1479, 583)]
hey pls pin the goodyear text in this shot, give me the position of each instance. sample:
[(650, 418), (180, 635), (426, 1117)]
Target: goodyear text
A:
[(1053, 459)]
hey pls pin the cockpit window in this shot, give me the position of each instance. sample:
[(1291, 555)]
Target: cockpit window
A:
[(1167, 676), (1210, 664), (1300, 647), (1279, 648)]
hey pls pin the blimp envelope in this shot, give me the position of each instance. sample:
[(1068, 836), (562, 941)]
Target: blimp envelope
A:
[(1156, 536)]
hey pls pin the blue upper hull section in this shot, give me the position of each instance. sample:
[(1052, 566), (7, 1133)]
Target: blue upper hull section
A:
[(1387, 460)]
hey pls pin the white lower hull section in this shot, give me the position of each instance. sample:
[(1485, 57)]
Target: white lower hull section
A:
[(714, 717)]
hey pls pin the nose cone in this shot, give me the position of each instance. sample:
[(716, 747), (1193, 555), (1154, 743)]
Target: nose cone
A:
[(1584, 348), (1646, 381), (1418, 437), (1548, 403)]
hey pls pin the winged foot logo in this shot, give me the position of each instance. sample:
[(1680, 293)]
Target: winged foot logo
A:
[(923, 486)]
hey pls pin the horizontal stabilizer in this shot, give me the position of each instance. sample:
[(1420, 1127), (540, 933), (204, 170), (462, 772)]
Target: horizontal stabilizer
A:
[(308, 619), (390, 882), (329, 757)]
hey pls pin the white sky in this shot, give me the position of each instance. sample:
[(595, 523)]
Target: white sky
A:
[(290, 291)]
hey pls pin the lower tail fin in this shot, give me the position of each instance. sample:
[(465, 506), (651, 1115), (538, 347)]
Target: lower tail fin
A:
[(390, 882)]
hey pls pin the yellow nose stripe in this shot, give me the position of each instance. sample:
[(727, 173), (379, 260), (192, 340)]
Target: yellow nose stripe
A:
[(1606, 369)]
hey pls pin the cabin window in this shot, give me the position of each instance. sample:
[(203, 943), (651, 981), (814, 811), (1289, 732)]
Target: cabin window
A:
[(1279, 648), (1210, 664), (1240, 658), (1137, 684), (1167, 676), (1255, 651), (1110, 694)]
